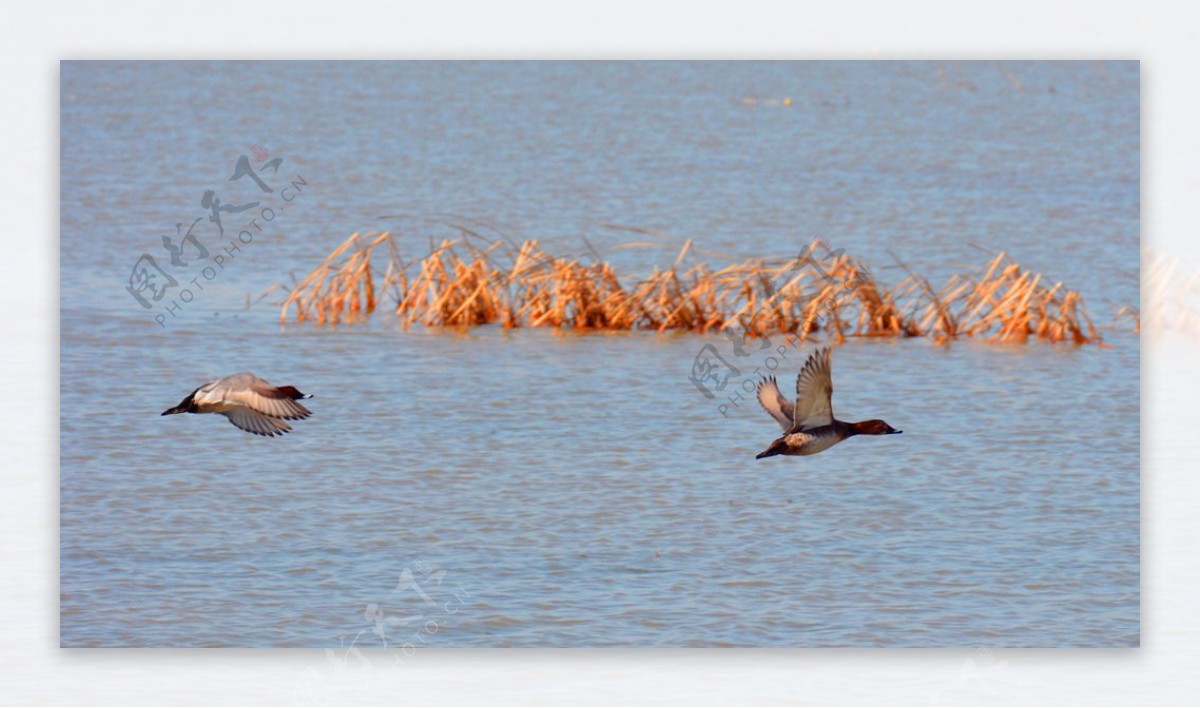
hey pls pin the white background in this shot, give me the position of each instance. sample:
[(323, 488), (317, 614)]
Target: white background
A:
[(1165, 36)]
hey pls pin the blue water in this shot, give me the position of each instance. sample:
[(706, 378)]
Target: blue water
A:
[(541, 488)]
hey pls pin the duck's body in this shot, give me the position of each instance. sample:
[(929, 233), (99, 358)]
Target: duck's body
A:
[(808, 443), (250, 402), (808, 423)]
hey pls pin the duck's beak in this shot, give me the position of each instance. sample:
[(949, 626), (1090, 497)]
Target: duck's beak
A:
[(172, 411), (893, 431)]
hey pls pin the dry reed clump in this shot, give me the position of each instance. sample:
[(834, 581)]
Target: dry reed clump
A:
[(1005, 304), (459, 283), (338, 291)]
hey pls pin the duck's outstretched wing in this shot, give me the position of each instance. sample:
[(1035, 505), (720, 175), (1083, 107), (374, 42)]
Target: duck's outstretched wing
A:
[(256, 394), (773, 402), (269, 401), (254, 422), (814, 392)]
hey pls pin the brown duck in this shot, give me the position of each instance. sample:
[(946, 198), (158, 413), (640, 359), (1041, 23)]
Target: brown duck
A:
[(808, 424), (250, 402)]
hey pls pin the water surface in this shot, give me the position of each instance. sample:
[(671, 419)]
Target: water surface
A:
[(541, 488)]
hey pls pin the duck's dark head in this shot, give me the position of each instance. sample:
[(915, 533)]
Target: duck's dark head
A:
[(777, 448), (874, 427)]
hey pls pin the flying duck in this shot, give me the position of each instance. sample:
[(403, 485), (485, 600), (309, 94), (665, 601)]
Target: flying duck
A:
[(249, 402), (808, 424)]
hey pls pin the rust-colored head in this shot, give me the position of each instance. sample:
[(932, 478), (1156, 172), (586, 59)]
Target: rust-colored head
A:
[(873, 427), (292, 392)]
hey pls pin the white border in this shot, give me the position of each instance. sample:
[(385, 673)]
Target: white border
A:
[(1163, 35)]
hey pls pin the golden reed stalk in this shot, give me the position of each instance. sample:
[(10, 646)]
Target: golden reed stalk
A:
[(458, 283)]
